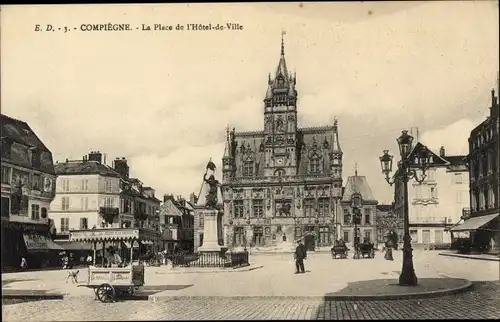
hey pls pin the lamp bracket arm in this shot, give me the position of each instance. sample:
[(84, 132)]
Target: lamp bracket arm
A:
[(415, 176), (390, 180)]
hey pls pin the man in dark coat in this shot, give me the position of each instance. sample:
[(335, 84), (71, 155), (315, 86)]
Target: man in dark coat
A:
[(300, 255)]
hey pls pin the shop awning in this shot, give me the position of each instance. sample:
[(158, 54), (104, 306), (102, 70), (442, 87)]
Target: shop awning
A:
[(39, 241), (474, 223), (127, 244), (68, 245)]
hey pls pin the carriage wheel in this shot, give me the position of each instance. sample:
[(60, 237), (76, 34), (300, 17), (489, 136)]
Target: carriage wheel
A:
[(106, 293)]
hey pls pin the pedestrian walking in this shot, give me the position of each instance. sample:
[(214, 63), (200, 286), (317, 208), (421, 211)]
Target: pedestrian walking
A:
[(391, 240), (300, 254)]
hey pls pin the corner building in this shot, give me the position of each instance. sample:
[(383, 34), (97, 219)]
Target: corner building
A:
[(282, 183)]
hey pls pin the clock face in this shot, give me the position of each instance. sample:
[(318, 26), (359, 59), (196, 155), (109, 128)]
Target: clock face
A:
[(279, 161)]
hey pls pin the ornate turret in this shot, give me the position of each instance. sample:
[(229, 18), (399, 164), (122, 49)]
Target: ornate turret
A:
[(227, 160), (281, 89), (336, 159)]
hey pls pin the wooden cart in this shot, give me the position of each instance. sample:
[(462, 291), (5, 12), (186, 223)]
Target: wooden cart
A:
[(110, 282)]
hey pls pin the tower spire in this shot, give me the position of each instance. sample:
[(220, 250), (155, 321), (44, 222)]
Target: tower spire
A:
[(283, 32), (227, 148), (335, 142), (356, 169)]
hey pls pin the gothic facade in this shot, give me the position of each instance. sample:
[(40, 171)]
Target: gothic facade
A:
[(284, 182)]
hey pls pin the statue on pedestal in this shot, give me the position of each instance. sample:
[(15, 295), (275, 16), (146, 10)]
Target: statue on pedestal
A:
[(211, 196)]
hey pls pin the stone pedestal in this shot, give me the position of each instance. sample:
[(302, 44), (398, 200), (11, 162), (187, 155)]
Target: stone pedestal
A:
[(210, 236)]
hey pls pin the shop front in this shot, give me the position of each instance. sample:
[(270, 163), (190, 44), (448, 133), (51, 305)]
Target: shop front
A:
[(482, 234), (31, 241)]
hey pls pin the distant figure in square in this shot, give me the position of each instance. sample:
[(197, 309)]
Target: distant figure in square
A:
[(300, 254), (89, 260), (24, 263), (113, 259), (391, 240)]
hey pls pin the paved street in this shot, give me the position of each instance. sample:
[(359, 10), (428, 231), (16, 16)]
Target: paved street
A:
[(480, 303), (275, 279), (324, 275)]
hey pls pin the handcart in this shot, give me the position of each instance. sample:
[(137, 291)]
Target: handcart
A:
[(111, 282)]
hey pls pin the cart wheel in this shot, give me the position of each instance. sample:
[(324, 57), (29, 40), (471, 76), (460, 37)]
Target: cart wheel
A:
[(106, 293)]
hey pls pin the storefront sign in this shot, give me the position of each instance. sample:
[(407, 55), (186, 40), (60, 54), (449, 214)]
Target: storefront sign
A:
[(40, 241), (103, 234)]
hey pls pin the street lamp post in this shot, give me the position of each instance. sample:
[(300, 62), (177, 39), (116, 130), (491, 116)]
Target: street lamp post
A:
[(405, 172), (356, 204)]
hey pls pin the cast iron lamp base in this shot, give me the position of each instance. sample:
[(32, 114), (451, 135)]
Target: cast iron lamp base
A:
[(407, 277)]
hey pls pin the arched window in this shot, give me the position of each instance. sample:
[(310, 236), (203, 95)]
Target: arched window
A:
[(44, 212)]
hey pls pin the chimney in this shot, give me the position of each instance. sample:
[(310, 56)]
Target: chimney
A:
[(494, 104), (442, 153), (95, 156), (192, 198), (121, 166)]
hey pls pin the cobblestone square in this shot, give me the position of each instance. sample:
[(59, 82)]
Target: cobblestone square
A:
[(272, 291)]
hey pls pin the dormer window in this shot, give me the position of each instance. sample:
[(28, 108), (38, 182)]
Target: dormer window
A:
[(248, 167), (35, 157), (6, 147), (314, 165)]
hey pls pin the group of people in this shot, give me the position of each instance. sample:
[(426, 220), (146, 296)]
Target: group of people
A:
[(300, 254)]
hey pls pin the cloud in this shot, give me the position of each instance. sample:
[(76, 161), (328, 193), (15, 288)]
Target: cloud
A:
[(453, 137), (179, 172), (163, 100)]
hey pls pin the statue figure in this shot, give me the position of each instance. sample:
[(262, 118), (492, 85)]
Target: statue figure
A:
[(211, 197)]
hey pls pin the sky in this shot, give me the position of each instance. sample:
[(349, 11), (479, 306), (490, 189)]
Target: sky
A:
[(163, 99)]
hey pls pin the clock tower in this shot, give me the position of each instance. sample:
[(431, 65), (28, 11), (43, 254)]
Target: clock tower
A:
[(280, 122)]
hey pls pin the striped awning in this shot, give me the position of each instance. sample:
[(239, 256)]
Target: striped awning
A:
[(113, 234)]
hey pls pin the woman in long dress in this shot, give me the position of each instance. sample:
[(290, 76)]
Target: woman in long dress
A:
[(388, 247)]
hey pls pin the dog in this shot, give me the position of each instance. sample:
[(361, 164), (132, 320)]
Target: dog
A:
[(74, 276)]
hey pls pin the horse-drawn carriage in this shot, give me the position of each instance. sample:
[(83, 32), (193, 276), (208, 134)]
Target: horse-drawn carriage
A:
[(339, 250), (110, 282), (367, 250)]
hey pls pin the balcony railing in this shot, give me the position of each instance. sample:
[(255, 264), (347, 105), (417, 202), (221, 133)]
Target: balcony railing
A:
[(109, 211), (428, 220)]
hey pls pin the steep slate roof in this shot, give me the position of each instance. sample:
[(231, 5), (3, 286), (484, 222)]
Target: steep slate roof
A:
[(170, 208), (84, 167), (384, 207), (456, 160), (436, 159), (357, 184), (21, 133), (253, 141)]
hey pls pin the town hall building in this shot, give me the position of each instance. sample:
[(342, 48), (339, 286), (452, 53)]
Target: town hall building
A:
[(282, 183)]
